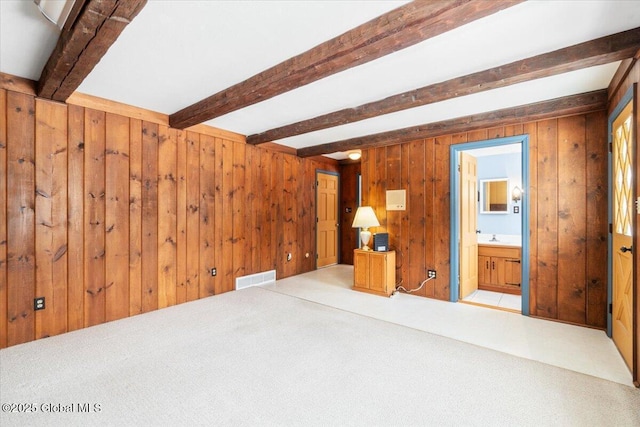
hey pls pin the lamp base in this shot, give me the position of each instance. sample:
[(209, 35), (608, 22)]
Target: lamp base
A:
[(365, 236)]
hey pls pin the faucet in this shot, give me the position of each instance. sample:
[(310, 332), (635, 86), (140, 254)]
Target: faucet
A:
[(493, 239)]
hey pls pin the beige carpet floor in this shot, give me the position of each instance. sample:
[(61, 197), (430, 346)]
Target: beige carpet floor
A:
[(255, 357)]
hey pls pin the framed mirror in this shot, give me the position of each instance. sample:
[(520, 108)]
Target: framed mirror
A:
[(494, 196)]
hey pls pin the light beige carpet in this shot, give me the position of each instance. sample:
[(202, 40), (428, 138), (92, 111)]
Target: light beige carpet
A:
[(255, 357)]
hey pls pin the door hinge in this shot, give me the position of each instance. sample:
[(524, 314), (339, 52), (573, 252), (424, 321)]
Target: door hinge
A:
[(611, 147), (610, 308), (610, 228)]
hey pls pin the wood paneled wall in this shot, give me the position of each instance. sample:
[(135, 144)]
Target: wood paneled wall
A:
[(108, 216), (568, 199), (348, 199)]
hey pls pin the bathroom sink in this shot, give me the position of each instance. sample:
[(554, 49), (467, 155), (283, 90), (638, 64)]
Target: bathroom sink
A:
[(500, 240)]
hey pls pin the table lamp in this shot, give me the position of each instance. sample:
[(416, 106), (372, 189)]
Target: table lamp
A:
[(365, 218)]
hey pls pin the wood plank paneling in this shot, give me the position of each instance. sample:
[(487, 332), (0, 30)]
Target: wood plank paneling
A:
[(207, 215), (307, 232), (226, 271), (75, 210), (94, 217), (241, 256), (135, 217), (20, 218), (219, 223), (531, 130), (572, 225), (547, 219), (193, 216), (262, 205), (117, 216), (181, 217), (441, 217), (277, 201), (51, 217), (430, 214), (393, 166), (257, 209), (567, 195), (149, 216), (3, 219), (416, 210), (252, 242), (402, 257), (596, 218), (378, 187), (267, 261), (349, 200), (167, 217)]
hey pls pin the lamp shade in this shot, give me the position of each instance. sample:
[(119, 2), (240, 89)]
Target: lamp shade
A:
[(365, 218)]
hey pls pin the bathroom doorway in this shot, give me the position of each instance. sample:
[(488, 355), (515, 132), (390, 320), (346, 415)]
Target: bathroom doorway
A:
[(490, 225)]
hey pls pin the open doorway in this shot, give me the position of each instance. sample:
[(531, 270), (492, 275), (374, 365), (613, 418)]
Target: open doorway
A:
[(490, 223)]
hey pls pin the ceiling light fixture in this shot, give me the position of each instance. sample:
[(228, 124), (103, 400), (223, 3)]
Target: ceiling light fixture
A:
[(354, 154), (56, 11)]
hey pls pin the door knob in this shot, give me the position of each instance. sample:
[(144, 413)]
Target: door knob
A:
[(625, 249)]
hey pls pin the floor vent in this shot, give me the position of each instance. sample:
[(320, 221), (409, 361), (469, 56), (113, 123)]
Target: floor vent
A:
[(256, 279)]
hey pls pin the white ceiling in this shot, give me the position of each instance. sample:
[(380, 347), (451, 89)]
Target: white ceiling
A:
[(177, 52)]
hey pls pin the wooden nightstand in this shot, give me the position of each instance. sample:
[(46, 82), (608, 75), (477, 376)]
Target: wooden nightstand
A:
[(374, 272)]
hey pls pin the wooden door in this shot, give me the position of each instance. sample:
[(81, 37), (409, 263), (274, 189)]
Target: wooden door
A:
[(327, 234), (622, 308), (468, 225)]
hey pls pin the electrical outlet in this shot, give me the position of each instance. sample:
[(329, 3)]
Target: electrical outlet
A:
[(431, 274), (214, 271), (38, 303)]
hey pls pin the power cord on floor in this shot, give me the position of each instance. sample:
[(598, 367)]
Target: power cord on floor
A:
[(399, 288)]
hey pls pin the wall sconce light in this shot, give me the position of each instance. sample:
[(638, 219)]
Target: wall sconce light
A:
[(354, 154), (516, 194), (365, 218), (56, 11)]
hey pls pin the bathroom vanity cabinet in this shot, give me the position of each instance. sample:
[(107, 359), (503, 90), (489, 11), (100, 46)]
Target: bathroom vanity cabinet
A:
[(499, 268)]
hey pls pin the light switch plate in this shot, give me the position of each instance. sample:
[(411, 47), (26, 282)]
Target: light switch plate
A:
[(638, 205)]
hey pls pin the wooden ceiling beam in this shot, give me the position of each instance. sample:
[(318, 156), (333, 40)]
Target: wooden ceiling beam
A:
[(393, 31), (566, 106), (604, 50), (93, 26)]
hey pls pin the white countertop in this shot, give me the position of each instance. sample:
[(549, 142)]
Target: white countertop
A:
[(502, 240)]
